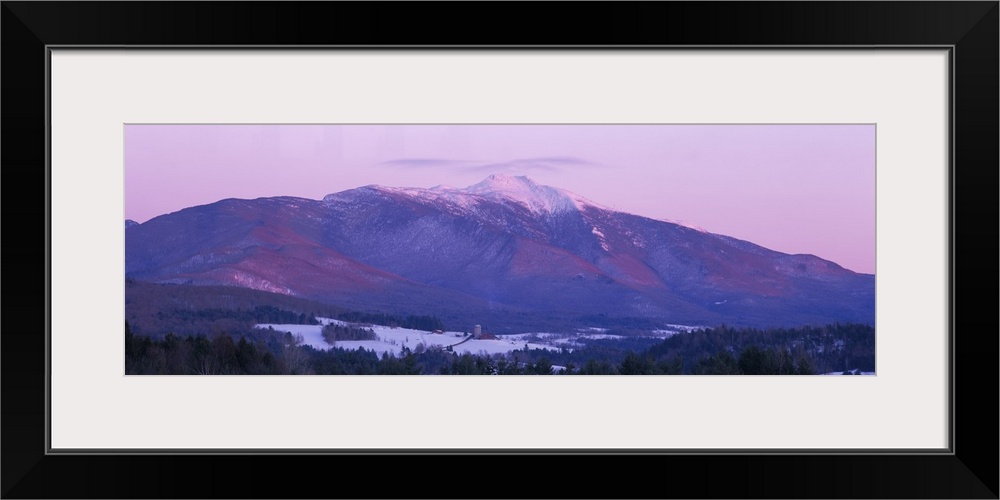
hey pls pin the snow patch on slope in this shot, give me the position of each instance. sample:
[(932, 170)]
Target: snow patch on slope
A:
[(601, 238)]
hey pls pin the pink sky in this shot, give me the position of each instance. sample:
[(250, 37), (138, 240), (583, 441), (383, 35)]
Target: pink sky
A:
[(791, 188)]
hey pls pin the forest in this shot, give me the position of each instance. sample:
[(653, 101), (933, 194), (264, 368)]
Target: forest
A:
[(715, 351), (173, 329)]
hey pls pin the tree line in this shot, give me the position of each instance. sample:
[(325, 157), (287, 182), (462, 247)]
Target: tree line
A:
[(257, 314), (334, 332), (426, 323), (800, 351)]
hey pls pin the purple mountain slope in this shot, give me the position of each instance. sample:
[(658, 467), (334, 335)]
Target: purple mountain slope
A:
[(506, 243)]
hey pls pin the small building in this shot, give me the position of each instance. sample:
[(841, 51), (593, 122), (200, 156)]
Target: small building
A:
[(439, 332)]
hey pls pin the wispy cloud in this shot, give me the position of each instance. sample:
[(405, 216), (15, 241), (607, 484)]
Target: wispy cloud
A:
[(545, 164), (426, 162), (552, 164)]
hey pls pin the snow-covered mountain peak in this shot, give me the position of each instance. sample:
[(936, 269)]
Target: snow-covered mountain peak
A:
[(521, 189), (537, 198), (504, 183)]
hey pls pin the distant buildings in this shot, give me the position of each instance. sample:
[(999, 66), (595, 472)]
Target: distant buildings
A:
[(477, 333)]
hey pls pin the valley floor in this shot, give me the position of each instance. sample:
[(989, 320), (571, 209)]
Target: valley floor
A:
[(393, 339)]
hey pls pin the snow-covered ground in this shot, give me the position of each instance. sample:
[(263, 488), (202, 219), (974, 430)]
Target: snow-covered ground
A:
[(671, 330), (684, 328), (664, 333), (599, 336), (521, 337), (394, 339), (331, 321), (568, 339), (311, 334)]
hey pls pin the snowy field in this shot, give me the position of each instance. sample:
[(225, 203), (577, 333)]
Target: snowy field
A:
[(393, 340), (570, 340)]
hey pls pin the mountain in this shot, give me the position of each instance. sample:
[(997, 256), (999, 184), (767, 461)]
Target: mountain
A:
[(129, 223), (505, 248)]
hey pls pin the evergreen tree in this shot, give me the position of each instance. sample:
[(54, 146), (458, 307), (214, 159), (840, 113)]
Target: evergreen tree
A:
[(634, 364), (541, 367)]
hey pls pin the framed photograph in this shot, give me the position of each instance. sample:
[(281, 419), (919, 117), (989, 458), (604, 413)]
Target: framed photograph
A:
[(731, 216), (513, 273)]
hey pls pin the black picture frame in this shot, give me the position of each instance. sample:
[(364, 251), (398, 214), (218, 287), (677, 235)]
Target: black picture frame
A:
[(970, 29)]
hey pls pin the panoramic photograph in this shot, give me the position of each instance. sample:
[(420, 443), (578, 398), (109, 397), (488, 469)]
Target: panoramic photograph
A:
[(473, 249)]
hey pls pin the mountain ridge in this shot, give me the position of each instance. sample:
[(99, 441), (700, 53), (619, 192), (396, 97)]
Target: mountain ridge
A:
[(504, 243)]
